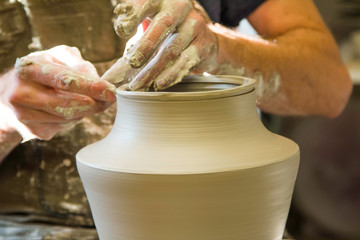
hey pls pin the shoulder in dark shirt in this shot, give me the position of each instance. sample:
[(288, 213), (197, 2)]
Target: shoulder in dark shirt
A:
[(229, 12)]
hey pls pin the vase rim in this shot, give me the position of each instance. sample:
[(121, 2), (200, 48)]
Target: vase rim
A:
[(195, 87)]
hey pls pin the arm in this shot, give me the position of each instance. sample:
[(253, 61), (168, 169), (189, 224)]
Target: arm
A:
[(9, 136), (9, 139), (43, 94), (297, 63)]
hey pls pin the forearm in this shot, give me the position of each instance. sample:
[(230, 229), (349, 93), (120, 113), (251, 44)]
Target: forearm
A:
[(297, 73)]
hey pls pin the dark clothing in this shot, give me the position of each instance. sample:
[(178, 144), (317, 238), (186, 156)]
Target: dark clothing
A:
[(229, 12)]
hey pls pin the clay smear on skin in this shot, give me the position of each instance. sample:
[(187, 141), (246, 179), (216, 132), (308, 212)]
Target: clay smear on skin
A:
[(168, 12), (227, 68), (135, 58), (129, 16), (126, 21), (191, 53), (66, 77), (69, 112), (270, 87), (20, 64), (193, 59)]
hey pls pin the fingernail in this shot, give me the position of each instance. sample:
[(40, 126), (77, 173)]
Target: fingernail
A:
[(161, 84), (134, 86), (20, 65), (123, 8), (136, 59), (109, 94), (119, 28), (117, 72), (124, 27)]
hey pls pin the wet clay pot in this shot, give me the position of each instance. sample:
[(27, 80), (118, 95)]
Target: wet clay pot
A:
[(192, 163)]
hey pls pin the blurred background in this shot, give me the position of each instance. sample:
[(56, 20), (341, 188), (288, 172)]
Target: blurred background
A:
[(326, 202)]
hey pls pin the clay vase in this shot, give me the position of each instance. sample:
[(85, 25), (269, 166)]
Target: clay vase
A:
[(191, 163)]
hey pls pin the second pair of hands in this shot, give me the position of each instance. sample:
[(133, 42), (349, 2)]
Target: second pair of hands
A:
[(177, 42), (50, 88)]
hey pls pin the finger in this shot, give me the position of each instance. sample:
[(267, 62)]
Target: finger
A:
[(62, 55), (56, 102), (86, 68), (63, 78), (71, 56), (45, 131), (170, 49), (171, 15), (117, 73), (65, 54), (188, 59), (41, 57), (132, 13), (27, 116)]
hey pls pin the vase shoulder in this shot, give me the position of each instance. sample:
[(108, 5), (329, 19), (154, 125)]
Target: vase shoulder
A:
[(189, 158), (202, 126)]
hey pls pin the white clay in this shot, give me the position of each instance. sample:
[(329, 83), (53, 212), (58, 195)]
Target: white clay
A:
[(69, 112), (270, 87), (191, 163), (227, 68)]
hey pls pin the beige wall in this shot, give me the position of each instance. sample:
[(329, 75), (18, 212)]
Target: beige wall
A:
[(333, 13)]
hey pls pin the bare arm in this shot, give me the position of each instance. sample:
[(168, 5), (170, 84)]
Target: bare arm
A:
[(297, 63)]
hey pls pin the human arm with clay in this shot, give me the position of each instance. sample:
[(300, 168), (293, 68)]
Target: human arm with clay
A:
[(295, 60)]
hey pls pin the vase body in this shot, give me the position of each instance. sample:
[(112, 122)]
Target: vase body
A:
[(192, 163)]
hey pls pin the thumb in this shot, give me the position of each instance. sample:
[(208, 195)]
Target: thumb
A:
[(132, 13)]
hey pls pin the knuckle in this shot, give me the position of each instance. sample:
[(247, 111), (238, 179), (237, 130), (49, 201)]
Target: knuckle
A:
[(21, 116), (44, 131), (21, 66), (94, 88), (200, 23), (65, 80), (17, 97), (165, 21), (155, 72), (13, 98), (174, 51), (70, 113), (74, 51)]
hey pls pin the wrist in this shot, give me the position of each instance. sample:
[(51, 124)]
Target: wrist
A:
[(225, 41), (9, 139), (236, 51), (9, 135)]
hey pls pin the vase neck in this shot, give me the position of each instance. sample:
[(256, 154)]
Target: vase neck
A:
[(202, 119)]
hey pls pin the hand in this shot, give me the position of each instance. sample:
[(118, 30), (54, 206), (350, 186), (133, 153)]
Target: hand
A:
[(49, 89), (177, 41)]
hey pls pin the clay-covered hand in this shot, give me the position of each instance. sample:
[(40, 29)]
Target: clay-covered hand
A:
[(177, 41), (48, 89)]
